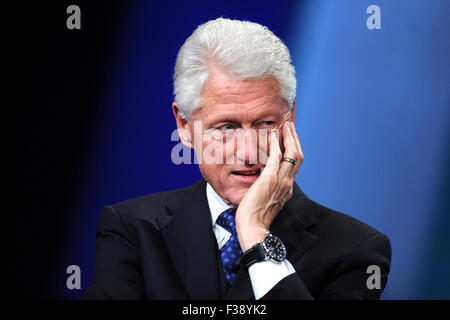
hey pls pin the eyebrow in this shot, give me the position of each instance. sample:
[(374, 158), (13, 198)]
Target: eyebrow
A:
[(273, 118), (225, 120), (230, 118)]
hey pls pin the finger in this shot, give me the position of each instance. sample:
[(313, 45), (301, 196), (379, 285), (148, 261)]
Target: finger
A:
[(290, 151), (298, 146), (273, 163)]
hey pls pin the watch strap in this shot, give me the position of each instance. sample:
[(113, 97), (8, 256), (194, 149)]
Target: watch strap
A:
[(252, 255)]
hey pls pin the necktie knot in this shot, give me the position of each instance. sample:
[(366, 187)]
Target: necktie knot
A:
[(227, 220)]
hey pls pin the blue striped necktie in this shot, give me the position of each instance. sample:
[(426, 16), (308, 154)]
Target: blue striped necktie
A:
[(231, 251)]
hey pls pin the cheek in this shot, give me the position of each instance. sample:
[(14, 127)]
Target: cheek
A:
[(213, 152), (216, 152), (211, 172), (213, 159), (229, 150)]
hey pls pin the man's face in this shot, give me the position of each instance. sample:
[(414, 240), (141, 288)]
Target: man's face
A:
[(235, 116)]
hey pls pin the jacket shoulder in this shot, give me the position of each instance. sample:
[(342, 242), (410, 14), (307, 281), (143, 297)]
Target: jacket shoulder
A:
[(151, 205), (337, 225)]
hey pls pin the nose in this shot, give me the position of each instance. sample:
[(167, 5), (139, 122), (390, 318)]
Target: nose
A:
[(247, 147)]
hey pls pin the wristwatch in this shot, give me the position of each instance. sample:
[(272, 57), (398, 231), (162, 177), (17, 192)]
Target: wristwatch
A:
[(271, 248)]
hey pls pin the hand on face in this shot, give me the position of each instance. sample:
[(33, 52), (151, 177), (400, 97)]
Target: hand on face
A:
[(274, 187), (241, 105)]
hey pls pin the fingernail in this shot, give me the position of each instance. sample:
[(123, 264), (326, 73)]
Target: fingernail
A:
[(288, 124)]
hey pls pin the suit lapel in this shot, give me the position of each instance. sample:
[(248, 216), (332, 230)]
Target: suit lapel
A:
[(292, 223), (187, 231), (289, 225)]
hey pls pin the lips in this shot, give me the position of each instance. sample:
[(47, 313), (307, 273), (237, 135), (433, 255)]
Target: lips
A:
[(247, 173)]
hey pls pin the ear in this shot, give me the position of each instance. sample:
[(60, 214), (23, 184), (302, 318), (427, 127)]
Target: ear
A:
[(184, 127), (293, 110)]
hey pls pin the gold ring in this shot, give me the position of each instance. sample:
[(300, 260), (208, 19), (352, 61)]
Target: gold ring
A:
[(292, 161)]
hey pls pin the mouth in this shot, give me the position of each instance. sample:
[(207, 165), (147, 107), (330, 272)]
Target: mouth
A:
[(247, 173)]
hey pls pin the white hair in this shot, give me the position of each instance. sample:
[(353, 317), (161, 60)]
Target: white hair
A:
[(244, 49)]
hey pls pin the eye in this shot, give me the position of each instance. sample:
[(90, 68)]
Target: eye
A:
[(267, 123), (226, 127)]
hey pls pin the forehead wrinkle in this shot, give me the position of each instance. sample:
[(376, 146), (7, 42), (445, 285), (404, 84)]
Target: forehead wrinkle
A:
[(221, 84), (239, 99), (241, 93), (244, 114)]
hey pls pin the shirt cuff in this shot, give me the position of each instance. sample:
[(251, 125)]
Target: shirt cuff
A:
[(265, 275)]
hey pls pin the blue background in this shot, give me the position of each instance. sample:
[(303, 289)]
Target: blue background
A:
[(372, 116)]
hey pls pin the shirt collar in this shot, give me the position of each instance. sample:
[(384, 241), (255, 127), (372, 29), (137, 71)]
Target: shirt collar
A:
[(216, 203)]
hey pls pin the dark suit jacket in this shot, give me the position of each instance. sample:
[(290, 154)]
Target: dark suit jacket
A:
[(162, 246)]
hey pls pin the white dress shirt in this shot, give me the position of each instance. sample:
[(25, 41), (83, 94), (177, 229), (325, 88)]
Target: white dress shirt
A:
[(264, 275)]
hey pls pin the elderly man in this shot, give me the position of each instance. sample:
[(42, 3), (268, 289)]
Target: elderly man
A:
[(246, 230)]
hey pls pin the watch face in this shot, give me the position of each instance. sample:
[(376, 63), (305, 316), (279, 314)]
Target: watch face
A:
[(274, 248)]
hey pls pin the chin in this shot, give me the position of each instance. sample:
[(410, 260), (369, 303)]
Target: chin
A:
[(236, 194)]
